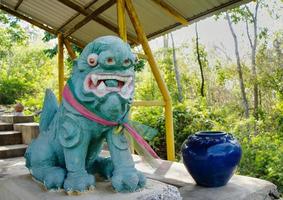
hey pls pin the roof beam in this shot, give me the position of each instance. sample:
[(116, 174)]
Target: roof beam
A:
[(94, 14), (76, 15), (171, 11), (18, 4), (25, 18), (98, 19), (35, 23), (196, 17)]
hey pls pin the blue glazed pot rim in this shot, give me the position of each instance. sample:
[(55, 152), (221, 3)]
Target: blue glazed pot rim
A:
[(211, 133)]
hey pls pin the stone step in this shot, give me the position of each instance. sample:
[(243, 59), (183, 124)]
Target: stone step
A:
[(6, 126), (10, 151), (10, 137), (16, 119), (29, 131)]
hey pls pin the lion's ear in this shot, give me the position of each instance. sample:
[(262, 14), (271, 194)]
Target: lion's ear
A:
[(80, 64), (77, 65)]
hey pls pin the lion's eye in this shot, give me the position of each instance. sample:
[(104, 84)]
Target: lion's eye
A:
[(127, 62), (110, 61), (92, 59)]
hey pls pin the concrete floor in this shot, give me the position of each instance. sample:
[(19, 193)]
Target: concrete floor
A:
[(238, 188), (12, 167)]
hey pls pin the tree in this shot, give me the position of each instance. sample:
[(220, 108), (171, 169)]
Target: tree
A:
[(252, 18), (239, 66), (199, 61), (176, 70)]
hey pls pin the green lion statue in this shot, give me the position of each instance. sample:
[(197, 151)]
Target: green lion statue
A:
[(96, 101)]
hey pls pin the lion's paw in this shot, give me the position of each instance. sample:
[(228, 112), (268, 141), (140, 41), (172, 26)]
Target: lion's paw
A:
[(54, 179), (78, 182), (128, 181)]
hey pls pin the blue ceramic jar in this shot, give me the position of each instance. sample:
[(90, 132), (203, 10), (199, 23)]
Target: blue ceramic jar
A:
[(211, 157)]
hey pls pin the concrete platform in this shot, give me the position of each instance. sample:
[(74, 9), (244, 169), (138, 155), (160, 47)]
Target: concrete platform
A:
[(29, 131), (238, 188), (24, 188), (12, 167), (16, 119)]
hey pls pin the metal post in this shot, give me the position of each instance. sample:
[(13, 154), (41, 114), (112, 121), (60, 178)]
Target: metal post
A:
[(60, 65), (70, 50), (121, 19), (161, 84)]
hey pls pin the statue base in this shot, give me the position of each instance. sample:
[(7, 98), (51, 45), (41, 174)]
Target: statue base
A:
[(24, 188)]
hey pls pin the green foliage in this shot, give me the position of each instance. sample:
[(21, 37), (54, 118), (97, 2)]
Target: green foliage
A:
[(25, 70), (52, 51), (263, 153), (48, 36), (13, 89), (187, 120), (139, 65)]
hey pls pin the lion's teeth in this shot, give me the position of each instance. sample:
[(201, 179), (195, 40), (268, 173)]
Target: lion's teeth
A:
[(124, 90), (124, 78), (94, 79), (101, 87)]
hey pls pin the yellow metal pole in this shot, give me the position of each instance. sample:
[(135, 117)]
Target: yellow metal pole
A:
[(123, 35), (161, 84), (121, 19), (148, 103), (60, 65)]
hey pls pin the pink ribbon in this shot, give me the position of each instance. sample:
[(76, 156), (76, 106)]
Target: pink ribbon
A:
[(68, 96)]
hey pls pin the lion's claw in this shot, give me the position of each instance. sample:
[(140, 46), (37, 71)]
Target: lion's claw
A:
[(128, 181), (79, 182)]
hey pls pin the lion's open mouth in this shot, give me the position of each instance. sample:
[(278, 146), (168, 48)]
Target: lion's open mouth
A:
[(102, 84)]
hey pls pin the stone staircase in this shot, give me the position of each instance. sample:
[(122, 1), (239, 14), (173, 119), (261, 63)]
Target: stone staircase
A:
[(16, 132)]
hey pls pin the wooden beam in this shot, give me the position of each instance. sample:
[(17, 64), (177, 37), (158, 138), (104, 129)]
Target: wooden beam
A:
[(94, 14), (70, 50), (171, 11), (76, 15), (60, 65), (18, 4), (98, 19), (76, 42)]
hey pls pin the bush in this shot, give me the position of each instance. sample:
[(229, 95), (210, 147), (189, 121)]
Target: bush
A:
[(263, 158), (187, 121), (12, 89)]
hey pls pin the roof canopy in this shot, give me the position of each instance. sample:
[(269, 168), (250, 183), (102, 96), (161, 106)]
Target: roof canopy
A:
[(83, 20)]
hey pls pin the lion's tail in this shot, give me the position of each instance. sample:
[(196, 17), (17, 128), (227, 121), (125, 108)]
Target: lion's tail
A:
[(50, 108)]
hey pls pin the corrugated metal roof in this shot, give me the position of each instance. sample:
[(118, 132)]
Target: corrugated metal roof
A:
[(57, 15)]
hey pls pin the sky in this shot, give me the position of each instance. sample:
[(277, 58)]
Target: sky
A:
[(212, 32)]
